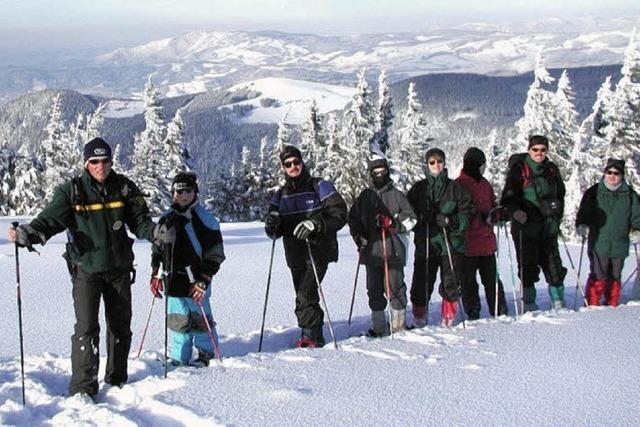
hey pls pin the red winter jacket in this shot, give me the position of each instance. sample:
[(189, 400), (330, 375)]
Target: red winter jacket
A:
[(480, 240)]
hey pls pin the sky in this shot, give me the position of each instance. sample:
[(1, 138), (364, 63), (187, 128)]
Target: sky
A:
[(46, 25)]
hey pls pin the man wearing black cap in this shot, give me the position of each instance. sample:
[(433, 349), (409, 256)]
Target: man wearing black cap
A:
[(306, 208), (609, 210), (441, 205), (96, 209), (533, 197), (383, 207)]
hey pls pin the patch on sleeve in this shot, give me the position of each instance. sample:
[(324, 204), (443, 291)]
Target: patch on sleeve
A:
[(325, 189)]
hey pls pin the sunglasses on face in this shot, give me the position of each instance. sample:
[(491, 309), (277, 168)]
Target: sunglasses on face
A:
[(434, 161), (185, 190), (98, 161), (539, 150), (613, 172), (291, 163)]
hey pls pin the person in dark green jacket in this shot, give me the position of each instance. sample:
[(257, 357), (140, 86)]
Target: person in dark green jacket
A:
[(608, 211), (441, 204), (96, 209), (533, 197)]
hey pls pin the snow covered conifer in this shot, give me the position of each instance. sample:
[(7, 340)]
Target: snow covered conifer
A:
[(311, 144), (565, 127), (384, 116), (175, 150)]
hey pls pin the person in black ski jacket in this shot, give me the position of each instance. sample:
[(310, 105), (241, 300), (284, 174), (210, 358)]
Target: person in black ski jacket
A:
[(609, 210), (97, 208), (305, 209), (533, 198), (382, 207), (198, 249), (442, 205)]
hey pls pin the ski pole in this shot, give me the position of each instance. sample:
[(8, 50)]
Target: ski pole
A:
[(453, 273), (495, 302), (146, 325), (575, 296), (573, 267), (520, 245), (15, 225), (355, 283), (426, 277), (213, 335), (387, 282), (167, 278), (324, 302), (266, 296), (513, 276), (635, 270)]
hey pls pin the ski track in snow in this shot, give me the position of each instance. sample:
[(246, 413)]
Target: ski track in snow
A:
[(541, 368)]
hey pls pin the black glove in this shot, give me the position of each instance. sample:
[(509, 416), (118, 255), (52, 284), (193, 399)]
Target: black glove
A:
[(25, 236), (445, 221), (520, 216), (272, 223), (304, 229), (495, 215), (384, 221), (164, 234), (361, 242)]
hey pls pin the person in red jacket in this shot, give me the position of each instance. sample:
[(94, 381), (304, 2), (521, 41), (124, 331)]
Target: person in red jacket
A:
[(479, 239)]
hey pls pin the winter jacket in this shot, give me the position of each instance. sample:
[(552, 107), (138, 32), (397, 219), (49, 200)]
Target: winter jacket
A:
[(610, 216), (198, 245), (309, 198), (95, 215), (479, 237), (388, 201), (434, 195), (529, 187)]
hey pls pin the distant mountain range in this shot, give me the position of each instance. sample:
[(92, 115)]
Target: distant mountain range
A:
[(202, 61)]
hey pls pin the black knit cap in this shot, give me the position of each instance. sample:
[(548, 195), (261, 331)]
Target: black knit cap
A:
[(378, 163), (185, 180), (472, 161), (617, 164), (538, 140), (290, 151), (435, 152), (96, 149)]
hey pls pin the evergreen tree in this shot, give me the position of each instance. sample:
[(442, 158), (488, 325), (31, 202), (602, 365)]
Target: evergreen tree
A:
[(311, 145), (497, 160), (282, 139), (384, 115), (336, 158), (27, 193), (566, 127), (7, 160), (175, 150), (116, 159)]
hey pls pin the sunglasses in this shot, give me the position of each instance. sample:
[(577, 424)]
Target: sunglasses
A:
[(539, 150), (434, 161), (291, 163), (185, 190), (97, 161), (613, 172)]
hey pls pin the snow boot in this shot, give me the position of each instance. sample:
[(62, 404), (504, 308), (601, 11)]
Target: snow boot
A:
[(614, 293), (380, 327), (529, 299), (420, 314), (398, 318), (203, 359), (556, 292), (595, 290), (311, 338), (449, 311)]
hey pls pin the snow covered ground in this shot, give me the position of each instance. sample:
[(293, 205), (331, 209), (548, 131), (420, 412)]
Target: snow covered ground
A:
[(543, 368)]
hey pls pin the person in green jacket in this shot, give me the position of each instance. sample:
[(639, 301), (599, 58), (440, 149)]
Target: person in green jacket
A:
[(96, 208), (608, 211)]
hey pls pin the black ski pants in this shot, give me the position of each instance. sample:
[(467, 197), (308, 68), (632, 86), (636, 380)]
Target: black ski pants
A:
[(376, 287), (422, 283), (115, 288), (536, 252), (308, 310), (486, 266)]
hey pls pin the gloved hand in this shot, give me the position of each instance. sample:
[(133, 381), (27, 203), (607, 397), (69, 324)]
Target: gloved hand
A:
[(384, 221), (164, 234), (198, 290), (271, 223), (19, 235), (304, 229), (520, 216), (496, 215), (361, 242), (444, 221), (582, 230), (156, 286)]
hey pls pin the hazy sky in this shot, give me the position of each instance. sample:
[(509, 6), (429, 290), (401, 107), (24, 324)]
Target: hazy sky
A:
[(36, 25)]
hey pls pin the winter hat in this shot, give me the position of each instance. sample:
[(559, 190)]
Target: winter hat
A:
[(185, 180), (473, 159), (290, 151), (435, 152), (538, 140), (378, 163), (616, 164), (96, 149)]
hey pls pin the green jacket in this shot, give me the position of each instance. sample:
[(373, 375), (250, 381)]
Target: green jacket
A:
[(610, 216), (95, 216)]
